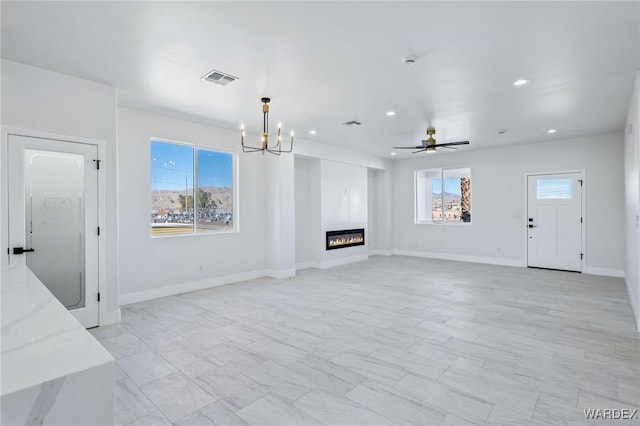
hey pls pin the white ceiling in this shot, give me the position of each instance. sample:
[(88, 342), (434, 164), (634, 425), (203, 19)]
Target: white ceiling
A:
[(323, 63)]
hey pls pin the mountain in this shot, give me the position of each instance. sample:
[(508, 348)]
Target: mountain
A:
[(447, 196)]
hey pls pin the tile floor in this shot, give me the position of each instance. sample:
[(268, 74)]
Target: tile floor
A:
[(390, 341)]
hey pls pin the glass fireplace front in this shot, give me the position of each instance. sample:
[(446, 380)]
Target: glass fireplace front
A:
[(345, 238)]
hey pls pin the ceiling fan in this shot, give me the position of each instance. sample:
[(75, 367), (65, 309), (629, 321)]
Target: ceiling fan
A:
[(430, 145)]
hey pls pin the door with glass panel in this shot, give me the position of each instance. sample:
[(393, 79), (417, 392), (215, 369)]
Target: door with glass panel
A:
[(554, 221), (53, 218)]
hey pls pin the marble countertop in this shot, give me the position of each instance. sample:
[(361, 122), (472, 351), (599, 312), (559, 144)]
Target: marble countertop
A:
[(41, 339)]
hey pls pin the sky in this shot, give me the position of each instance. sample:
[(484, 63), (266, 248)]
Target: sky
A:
[(172, 167), (452, 186)]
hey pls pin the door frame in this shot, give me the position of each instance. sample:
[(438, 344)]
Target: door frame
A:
[(583, 207), (4, 201)]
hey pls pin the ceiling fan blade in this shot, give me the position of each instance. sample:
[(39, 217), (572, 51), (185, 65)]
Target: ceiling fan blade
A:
[(449, 147), (452, 143), (408, 147), (420, 150)]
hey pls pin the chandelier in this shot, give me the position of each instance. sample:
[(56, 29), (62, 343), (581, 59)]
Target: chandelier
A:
[(273, 149)]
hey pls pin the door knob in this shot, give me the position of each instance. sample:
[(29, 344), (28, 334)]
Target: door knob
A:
[(20, 250)]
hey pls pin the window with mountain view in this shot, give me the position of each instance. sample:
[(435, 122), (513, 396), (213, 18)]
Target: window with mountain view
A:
[(443, 196), (191, 190)]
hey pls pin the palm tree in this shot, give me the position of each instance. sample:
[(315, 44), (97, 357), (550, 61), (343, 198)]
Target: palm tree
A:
[(465, 202)]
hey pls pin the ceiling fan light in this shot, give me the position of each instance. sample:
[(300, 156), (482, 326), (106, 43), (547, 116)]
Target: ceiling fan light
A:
[(431, 145)]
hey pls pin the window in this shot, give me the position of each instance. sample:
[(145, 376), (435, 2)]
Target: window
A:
[(554, 189), (443, 195), (191, 190)]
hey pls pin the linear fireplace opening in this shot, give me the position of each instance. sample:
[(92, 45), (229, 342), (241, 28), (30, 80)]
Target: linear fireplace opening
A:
[(345, 238)]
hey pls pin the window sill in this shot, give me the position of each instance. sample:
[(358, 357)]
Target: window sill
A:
[(444, 223), (199, 234)]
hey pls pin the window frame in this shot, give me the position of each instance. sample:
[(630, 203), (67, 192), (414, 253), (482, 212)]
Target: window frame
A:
[(234, 182), (441, 170)]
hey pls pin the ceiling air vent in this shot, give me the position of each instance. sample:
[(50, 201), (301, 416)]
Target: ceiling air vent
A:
[(220, 78), (352, 123)]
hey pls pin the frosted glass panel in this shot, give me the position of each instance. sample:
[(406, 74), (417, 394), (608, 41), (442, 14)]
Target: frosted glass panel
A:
[(554, 189), (55, 223)]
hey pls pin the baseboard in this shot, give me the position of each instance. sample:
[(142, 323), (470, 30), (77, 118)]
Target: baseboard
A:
[(331, 263), (342, 261), (461, 258), (305, 265), (380, 252), (283, 273), (110, 317), (170, 290), (635, 304), (606, 272)]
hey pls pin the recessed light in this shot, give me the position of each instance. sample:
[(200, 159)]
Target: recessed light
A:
[(521, 82), (393, 153), (551, 131), (312, 132), (391, 113)]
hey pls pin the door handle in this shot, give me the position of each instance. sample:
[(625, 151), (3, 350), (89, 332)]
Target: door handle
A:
[(20, 250), (532, 225)]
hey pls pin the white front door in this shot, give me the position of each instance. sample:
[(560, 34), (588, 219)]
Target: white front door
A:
[(554, 221), (53, 218)]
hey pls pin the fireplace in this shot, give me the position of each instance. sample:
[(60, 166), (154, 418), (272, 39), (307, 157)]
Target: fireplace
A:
[(345, 238)]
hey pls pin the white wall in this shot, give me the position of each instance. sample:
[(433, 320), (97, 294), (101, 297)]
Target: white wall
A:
[(632, 202), (303, 193), (497, 233), (281, 258), (379, 211), (151, 267), (372, 217), (343, 192), (57, 104), (316, 236), (327, 152), (330, 196)]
